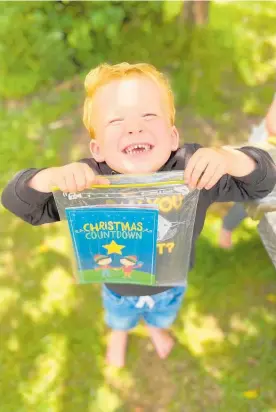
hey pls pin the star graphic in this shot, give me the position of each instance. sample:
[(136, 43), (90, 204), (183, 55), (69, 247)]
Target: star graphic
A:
[(113, 247)]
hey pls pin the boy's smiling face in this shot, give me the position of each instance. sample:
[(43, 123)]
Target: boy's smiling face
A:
[(132, 127)]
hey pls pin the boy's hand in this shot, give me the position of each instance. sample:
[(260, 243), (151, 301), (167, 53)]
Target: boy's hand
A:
[(207, 166), (73, 177)]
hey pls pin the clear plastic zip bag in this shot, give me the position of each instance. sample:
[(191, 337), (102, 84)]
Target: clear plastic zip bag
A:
[(137, 230)]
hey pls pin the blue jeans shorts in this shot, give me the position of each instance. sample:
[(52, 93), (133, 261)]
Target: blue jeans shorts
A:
[(159, 310)]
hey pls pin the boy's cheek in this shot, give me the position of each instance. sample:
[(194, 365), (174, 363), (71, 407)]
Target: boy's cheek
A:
[(111, 141)]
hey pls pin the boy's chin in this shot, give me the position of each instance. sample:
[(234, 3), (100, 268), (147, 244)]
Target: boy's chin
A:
[(138, 166), (136, 169)]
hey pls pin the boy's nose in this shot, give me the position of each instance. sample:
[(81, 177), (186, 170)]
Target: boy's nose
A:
[(134, 127), (135, 131)]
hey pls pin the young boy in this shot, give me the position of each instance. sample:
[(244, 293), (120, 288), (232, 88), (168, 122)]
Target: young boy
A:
[(129, 113)]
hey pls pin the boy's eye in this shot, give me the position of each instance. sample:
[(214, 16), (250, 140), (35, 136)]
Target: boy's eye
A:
[(149, 116), (116, 121)]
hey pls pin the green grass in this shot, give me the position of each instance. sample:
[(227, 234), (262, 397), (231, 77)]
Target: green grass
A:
[(53, 335), (52, 331), (38, 130)]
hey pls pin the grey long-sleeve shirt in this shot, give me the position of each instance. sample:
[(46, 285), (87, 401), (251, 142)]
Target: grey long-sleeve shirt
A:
[(39, 208)]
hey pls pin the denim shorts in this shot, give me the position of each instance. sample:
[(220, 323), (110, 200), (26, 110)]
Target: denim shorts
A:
[(159, 310)]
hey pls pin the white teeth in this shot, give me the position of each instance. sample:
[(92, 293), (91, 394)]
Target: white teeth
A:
[(132, 149)]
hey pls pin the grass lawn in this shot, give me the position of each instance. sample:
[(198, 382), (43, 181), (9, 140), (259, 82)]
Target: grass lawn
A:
[(53, 335)]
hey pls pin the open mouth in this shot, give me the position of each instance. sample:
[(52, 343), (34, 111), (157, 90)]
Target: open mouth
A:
[(134, 149)]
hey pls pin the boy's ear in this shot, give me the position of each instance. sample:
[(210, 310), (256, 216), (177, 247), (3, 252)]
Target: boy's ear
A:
[(175, 138), (96, 151)]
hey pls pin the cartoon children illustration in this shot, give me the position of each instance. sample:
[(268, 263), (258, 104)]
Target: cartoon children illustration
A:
[(129, 263), (104, 264)]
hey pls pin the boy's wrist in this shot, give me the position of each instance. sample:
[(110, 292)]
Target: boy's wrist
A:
[(41, 181), (239, 164), (24, 192)]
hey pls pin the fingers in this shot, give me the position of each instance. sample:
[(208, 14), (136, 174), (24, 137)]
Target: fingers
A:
[(77, 177), (101, 180), (85, 178), (190, 166), (70, 182), (93, 179), (80, 177), (204, 169), (89, 176), (211, 178), (198, 172), (67, 178), (206, 177), (195, 168), (215, 178), (59, 181)]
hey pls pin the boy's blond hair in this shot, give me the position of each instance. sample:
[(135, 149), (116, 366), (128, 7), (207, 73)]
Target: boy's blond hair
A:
[(105, 73)]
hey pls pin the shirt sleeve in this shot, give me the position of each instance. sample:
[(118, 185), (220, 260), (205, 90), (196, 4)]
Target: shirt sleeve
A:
[(30, 205), (256, 185)]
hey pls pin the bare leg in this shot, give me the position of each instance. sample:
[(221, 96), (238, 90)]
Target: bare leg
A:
[(225, 239), (116, 348), (232, 220), (162, 341)]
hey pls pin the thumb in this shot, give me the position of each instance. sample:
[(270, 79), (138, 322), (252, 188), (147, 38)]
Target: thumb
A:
[(101, 180)]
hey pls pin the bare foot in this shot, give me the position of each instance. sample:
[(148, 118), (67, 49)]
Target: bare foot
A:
[(116, 348), (225, 239), (162, 341)]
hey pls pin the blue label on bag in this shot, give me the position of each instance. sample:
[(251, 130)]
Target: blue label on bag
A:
[(114, 244)]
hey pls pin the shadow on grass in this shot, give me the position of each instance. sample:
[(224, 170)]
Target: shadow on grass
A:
[(179, 383), (229, 324), (50, 331)]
